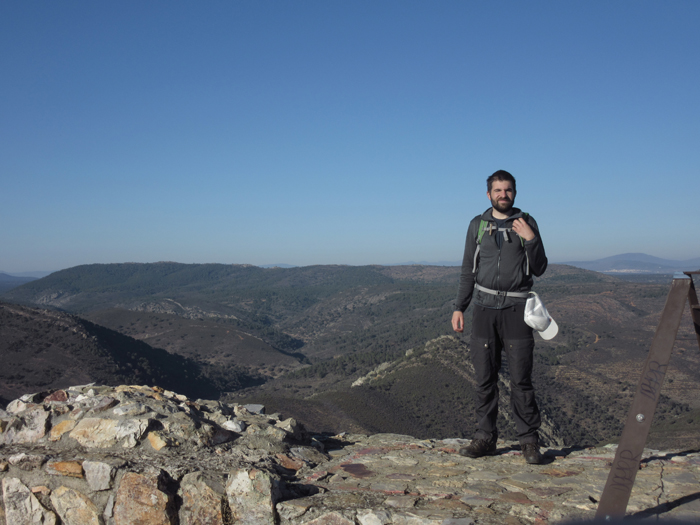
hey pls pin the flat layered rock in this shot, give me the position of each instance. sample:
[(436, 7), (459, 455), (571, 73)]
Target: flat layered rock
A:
[(137, 454)]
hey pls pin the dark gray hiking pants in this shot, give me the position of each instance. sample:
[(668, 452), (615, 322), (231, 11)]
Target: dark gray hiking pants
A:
[(493, 331)]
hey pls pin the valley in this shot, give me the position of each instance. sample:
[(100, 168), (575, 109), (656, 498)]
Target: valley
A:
[(297, 339)]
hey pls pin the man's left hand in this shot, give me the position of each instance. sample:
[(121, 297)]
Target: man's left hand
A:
[(522, 228)]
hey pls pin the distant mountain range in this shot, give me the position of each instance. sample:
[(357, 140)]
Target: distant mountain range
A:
[(7, 282), (625, 263), (628, 263), (35, 275)]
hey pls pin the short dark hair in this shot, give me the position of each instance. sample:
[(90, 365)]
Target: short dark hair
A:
[(501, 175)]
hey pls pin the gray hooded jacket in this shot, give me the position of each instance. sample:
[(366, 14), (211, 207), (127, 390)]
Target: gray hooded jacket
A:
[(503, 269)]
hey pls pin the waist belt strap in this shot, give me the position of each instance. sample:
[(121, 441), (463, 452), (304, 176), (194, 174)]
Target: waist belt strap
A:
[(498, 292)]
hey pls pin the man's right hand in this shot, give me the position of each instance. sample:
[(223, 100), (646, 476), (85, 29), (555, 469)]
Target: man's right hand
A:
[(458, 321)]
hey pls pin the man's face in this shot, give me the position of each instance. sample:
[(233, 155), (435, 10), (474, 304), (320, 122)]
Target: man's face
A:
[(502, 195)]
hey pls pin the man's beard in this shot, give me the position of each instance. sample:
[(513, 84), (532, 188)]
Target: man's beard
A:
[(502, 206)]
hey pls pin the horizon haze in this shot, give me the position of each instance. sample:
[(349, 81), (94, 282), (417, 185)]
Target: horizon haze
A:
[(624, 263)]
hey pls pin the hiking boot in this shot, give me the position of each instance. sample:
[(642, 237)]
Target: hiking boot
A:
[(531, 453), (479, 448)]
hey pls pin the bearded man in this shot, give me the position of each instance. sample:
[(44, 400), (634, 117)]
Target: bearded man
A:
[(502, 252)]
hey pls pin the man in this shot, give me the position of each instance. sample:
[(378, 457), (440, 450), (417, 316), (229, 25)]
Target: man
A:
[(497, 272)]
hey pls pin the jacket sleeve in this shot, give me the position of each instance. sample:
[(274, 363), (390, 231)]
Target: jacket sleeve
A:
[(467, 277), (535, 250)]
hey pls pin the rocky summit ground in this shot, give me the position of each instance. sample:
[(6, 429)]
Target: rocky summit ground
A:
[(136, 454), (389, 478)]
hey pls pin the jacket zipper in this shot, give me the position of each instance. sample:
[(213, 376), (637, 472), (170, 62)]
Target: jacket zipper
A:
[(498, 275)]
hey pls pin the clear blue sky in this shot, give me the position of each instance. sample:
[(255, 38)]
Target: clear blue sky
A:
[(348, 132)]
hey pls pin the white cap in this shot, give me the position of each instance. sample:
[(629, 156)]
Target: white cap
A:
[(537, 317), (549, 332)]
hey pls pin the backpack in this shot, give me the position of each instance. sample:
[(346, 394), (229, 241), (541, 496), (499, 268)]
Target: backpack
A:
[(485, 226)]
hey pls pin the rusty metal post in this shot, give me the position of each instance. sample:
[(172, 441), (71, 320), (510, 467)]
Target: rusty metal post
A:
[(694, 306), (623, 472)]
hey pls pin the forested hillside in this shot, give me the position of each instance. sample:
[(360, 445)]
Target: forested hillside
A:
[(307, 334), (42, 349), (327, 310)]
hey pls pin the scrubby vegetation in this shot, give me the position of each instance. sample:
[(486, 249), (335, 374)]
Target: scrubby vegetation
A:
[(298, 338)]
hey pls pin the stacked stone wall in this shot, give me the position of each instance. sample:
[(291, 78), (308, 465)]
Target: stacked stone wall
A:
[(135, 454)]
